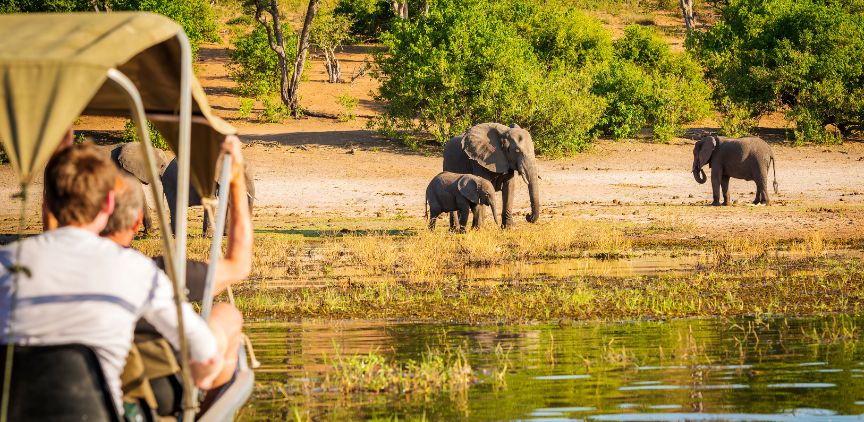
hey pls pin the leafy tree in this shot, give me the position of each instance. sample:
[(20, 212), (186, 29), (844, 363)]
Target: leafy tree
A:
[(647, 85), (329, 32), (254, 66), (804, 57), (369, 18), (196, 16)]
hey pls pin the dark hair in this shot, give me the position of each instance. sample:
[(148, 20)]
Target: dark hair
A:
[(78, 179)]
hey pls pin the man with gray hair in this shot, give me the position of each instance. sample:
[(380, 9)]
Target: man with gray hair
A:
[(235, 266)]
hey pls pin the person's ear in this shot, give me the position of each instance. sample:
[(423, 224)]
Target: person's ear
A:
[(108, 206), (138, 221)]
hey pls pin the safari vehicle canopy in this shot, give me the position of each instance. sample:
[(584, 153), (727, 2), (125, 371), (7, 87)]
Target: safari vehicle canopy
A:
[(57, 67)]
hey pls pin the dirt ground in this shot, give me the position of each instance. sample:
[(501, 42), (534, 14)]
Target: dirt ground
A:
[(320, 167)]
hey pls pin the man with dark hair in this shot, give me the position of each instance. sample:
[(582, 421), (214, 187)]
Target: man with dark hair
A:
[(69, 285)]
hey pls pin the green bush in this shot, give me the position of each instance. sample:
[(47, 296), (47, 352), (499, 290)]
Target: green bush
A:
[(348, 103), (551, 69), (804, 57), (195, 16), (3, 157), (474, 61), (369, 18), (647, 85), (130, 134), (255, 67), (245, 109)]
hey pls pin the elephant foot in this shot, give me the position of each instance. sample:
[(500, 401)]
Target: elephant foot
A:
[(715, 204)]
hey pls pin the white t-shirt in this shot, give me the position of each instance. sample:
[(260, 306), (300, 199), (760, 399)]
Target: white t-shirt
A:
[(88, 290)]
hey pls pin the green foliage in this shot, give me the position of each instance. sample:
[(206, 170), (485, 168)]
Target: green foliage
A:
[(552, 70), (804, 57), (255, 67), (348, 103), (3, 157), (245, 109), (195, 16), (735, 121), (369, 18), (130, 134), (274, 111), (647, 85), (330, 30)]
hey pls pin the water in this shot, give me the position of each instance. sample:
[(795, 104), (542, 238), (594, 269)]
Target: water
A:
[(782, 369)]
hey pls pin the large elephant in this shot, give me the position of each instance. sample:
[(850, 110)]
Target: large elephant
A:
[(169, 185), (129, 158), (461, 193), (742, 158), (496, 153)]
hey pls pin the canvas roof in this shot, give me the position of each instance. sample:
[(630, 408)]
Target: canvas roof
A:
[(53, 68)]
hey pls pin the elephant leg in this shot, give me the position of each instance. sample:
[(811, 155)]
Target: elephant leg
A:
[(724, 183), (453, 220), (148, 221), (761, 189), (475, 212), (206, 224), (463, 210), (434, 212), (716, 177), (507, 193)]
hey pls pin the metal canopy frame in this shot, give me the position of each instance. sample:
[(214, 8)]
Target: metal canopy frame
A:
[(176, 252)]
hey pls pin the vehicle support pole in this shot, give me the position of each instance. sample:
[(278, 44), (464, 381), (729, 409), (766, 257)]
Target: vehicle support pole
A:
[(189, 404), (219, 229)]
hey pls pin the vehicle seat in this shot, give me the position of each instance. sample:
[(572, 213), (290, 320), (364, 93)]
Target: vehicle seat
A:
[(57, 383)]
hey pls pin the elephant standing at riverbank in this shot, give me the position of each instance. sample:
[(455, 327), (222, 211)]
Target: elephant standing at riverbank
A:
[(746, 158), (130, 159), (497, 153), (449, 192)]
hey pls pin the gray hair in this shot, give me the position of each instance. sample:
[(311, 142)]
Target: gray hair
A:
[(128, 204)]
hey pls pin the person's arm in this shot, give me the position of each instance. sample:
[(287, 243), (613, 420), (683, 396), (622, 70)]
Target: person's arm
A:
[(237, 262), (160, 311)]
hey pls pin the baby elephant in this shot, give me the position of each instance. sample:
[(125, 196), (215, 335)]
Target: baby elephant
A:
[(742, 158), (461, 193)]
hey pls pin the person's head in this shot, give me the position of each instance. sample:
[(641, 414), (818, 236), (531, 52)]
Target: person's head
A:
[(79, 187), (128, 212)]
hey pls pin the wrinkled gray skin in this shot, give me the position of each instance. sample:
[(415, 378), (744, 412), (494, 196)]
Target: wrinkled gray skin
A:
[(169, 185), (449, 192), (129, 158), (742, 158), (497, 153)]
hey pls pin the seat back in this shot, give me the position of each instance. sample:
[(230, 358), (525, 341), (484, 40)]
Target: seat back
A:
[(57, 383)]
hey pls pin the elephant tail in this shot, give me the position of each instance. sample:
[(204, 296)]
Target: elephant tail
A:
[(776, 186), (426, 208)]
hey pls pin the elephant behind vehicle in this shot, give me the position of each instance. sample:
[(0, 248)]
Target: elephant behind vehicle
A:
[(497, 153), (169, 185), (130, 159)]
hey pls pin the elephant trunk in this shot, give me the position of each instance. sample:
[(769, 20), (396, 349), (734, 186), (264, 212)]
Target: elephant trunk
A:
[(699, 174), (494, 210), (529, 173)]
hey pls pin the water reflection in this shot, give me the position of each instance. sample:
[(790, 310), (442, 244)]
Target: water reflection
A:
[(678, 370)]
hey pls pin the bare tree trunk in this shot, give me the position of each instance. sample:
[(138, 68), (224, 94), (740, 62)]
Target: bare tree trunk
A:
[(400, 8), (334, 69), (687, 11), (300, 61), (276, 41)]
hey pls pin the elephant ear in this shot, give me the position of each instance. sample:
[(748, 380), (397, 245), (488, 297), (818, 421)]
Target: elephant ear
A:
[(707, 148), (132, 160), (482, 143), (467, 186)]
